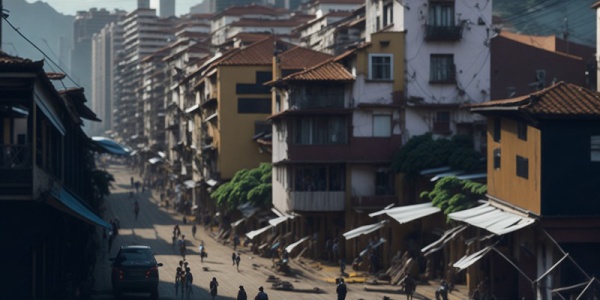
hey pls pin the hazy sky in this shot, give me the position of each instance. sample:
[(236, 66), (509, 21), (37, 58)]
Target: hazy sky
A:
[(70, 7)]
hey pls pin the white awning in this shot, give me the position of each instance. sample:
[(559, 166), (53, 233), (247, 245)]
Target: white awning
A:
[(493, 219), (192, 109), (405, 214), (211, 117), (468, 260), (291, 247), (211, 182), (278, 220), (472, 176), (366, 229), (435, 170), (446, 174), (277, 212), (256, 232), (446, 237), (238, 222)]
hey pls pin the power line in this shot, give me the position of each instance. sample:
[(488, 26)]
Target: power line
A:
[(5, 17)]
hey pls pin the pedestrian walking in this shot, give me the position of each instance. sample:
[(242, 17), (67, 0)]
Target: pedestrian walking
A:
[(233, 256), (131, 179), (341, 289), (136, 208), (214, 285), (242, 294), (442, 292), (177, 280), (237, 261), (409, 287), (182, 246), (194, 230), (176, 231), (189, 279), (261, 294), (236, 241), (203, 253)]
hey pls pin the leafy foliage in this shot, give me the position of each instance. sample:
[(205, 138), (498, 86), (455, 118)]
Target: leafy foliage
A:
[(423, 152), (252, 186), (451, 194)]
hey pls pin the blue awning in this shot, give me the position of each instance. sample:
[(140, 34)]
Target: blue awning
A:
[(111, 146), (68, 203)]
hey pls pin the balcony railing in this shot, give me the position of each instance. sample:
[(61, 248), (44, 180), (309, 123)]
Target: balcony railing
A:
[(15, 156), (443, 33), (317, 201)]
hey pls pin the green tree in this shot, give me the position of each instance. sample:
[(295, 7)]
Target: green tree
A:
[(252, 186), (424, 152), (451, 194)]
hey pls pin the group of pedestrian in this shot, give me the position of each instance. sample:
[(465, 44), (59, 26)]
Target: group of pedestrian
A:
[(184, 280), (260, 296)]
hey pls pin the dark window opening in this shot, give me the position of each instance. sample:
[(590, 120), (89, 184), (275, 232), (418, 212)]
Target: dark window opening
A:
[(254, 106), (522, 167), (522, 131), (497, 155), (497, 129)]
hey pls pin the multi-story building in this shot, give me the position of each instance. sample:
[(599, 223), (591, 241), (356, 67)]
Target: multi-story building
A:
[(336, 127), (106, 45), (47, 197), (166, 8), (234, 107), (447, 60), (143, 34), (86, 24), (320, 8), (530, 182), (334, 32)]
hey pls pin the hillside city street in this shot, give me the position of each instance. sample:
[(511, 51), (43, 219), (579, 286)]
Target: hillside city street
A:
[(154, 228)]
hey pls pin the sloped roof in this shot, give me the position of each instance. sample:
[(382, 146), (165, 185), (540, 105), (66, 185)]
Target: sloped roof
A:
[(259, 53), (327, 71), (300, 58), (11, 63), (562, 100), (239, 10)]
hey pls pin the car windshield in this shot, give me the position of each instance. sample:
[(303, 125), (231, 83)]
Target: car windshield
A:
[(136, 257)]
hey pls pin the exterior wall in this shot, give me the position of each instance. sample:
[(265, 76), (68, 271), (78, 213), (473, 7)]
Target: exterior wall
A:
[(237, 149), (362, 180), (568, 172), (279, 183), (597, 47), (503, 183), (471, 54), (509, 56)]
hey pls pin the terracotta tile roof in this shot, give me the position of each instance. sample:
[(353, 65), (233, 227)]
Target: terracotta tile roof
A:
[(300, 58), (12, 63), (249, 9), (562, 100), (328, 71), (341, 1), (265, 23)]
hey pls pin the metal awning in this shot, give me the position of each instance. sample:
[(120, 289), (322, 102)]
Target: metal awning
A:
[(366, 229), (211, 117), (238, 222), (446, 237), (68, 203), (435, 170), (405, 214), (111, 146), (372, 246), (446, 174), (192, 109), (468, 260), (472, 176), (211, 182), (247, 209), (256, 232), (493, 219), (278, 220), (291, 247)]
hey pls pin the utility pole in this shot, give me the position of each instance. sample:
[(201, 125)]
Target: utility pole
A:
[(565, 32)]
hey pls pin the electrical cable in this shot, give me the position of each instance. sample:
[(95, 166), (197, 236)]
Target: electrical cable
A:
[(43, 53)]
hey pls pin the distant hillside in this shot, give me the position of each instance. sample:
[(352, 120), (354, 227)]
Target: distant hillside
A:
[(550, 17), (45, 27)]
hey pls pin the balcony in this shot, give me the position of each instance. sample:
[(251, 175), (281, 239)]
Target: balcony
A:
[(443, 33), (317, 201), (16, 173)]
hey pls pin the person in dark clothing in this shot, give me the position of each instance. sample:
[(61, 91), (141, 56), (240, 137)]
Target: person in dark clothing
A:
[(442, 292), (341, 289), (213, 287), (261, 294), (409, 287), (242, 294)]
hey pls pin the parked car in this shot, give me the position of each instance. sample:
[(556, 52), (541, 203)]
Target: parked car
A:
[(135, 269)]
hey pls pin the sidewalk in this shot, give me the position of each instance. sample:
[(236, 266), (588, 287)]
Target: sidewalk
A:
[(154, 228)]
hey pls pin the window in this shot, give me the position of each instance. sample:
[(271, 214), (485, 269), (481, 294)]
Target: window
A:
[(522, 167), (380, 66), (388, 14), (441, 124), (441, 14), (320, 131), (497, 129), (384, 182), (442, 68), (522, 130), (319, 178), (254, 106), (497, 155), (382, 125), (595, 148)]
